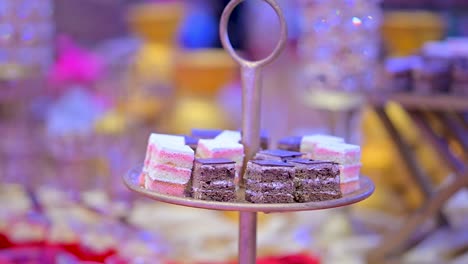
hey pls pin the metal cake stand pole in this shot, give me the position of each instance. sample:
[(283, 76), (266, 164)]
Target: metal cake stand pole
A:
[(251, 95)]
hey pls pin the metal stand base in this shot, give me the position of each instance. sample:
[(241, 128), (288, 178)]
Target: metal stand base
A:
[(247, 237)]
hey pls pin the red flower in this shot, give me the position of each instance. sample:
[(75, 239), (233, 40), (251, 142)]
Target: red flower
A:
[(290, 259)]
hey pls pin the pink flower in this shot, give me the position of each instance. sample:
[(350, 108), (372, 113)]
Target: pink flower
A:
[(75, 65)]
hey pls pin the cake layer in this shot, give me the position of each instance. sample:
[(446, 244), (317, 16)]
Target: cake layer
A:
[(349, 173), (211, 148), (221, 149), (218, 184), (329, 185), (215, 195), (344, 154), (304, 197), (168, 173), (349, 187), (169, 146), (268, 197), (277, 154), (156, 139), (163, 187), (308, 143), (269, 171), (181, 156), (312, 169), (229, 135), (256, 186), (207, 170)]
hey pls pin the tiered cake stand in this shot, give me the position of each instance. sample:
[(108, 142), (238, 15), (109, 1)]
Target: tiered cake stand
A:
[(251, 80)]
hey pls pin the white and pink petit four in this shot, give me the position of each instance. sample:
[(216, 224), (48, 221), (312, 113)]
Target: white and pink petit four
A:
[(215, 148), (343, 154), (349, 159), (229, 135), (168, 165), (308, 143)]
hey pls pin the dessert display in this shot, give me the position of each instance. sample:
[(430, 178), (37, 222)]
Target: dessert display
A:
[(208, 165), (213, 179), (438, 68), (269, 181)]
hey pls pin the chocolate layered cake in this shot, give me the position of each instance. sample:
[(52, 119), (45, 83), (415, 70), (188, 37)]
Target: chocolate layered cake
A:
[(277, 154), (269, 181), (213, 180), (316, 180), (290, 143)]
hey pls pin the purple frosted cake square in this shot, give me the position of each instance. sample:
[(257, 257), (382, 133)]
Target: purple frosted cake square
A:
[(277, 154), (269, 181), (213, 179), (316, 180)]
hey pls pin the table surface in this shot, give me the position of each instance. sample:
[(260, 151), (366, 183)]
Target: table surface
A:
[(439, 102), (366, 189)]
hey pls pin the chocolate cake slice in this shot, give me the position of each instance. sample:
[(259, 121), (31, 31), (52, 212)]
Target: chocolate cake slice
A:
[(316, 180), (277, 154), (269, 181), (213, 179), (290, 143)]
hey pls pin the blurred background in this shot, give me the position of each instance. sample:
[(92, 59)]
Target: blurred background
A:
[(83, 83)]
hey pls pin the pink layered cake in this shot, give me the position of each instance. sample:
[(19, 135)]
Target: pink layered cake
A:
[(229, 135), (226, 149), (156, 140), (309, 143), (168, 165), (349, 159), (341, 153), (349, 173)]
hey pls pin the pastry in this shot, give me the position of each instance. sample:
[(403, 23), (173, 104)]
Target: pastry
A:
[(212, 148), (315, 180), (213, 179), (348, 158), (269, 181), (308, 143), (168, 165)]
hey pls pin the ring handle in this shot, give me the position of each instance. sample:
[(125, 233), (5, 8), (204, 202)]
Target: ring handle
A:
[(223, 31)]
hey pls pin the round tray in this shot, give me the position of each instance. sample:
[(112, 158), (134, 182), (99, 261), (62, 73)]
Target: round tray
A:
[(366, 189)]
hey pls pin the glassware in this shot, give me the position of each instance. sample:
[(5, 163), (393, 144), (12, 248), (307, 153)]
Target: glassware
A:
[(26, 35), (339, 43)]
